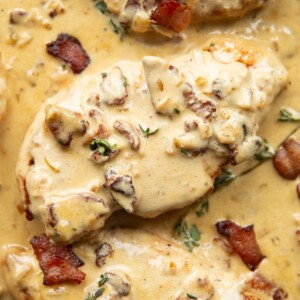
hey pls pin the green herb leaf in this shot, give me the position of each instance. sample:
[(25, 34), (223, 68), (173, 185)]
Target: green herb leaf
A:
[(176, 111), (289, 115), (148, 131), (203, 207), (189, 235), (101, 5), (266, 152), (102, 146), (190, 296), (103, 279), (99, 293), (117, 28), (74, 229), (184, 151), (125, 82), (224, 179)]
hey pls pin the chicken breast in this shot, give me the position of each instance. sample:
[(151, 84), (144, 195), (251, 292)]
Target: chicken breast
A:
[(3, 89), (146, 137), (138, 265), (171, 16)]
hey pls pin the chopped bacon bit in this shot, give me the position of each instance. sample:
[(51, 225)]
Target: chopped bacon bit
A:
[(243, 241), (173, 15), (287, 159), (69, 49), (261, 284), (59, 264), (280, 294)]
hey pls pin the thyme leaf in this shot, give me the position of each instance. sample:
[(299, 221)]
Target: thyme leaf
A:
[(289, 114), (103, 279), (102, 146), (266, 152), (190, 296), (225, 178), (189, 235), (203, 207), (101, 5), (117, 28), (99, 292), (148, 131)]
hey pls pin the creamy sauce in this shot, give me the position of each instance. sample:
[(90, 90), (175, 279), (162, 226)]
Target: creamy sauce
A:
[(261, 197)]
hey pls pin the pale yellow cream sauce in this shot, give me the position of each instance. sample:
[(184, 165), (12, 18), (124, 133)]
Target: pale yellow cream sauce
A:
[(261, 197)]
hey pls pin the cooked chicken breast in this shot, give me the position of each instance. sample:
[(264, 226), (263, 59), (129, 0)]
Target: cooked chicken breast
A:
[(146, 137), (172, 16), (3, 91), (137, 265)]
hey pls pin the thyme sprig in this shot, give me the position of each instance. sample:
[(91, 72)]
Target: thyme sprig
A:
[(148, 131)]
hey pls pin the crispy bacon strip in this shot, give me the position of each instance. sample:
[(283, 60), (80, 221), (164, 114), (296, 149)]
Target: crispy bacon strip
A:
[(173, 15), (243, 241), (59, 264), (69, 49), (287, 159)]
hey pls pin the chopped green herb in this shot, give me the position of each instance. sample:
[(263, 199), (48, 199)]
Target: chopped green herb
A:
[(117, 28), (190, 296), (74, 229), (101, 5), (224, 179), (125, 83), (98, 293), (60, 141), (203, 207), (189, 235), (103, 279), (104, 75), (176, 111), (212, 44), (266, 152), (102, 146), (148, 131), (289, 115), (184, 151)]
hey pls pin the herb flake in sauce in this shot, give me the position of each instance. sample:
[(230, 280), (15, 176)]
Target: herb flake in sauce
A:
[(101, 5), (190, 296), (148, 131), (102, 146), (189, 235), (289, 115), (203, 207), (225, 178), (266, 152)]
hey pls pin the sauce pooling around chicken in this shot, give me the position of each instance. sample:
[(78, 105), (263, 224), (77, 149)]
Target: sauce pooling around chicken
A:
[(137, 130)]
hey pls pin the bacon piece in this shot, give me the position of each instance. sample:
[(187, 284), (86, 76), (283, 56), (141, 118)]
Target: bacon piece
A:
[(69, 49), (243, 241), (287, 159), (59, 264), (269, 288), (173, 15)]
